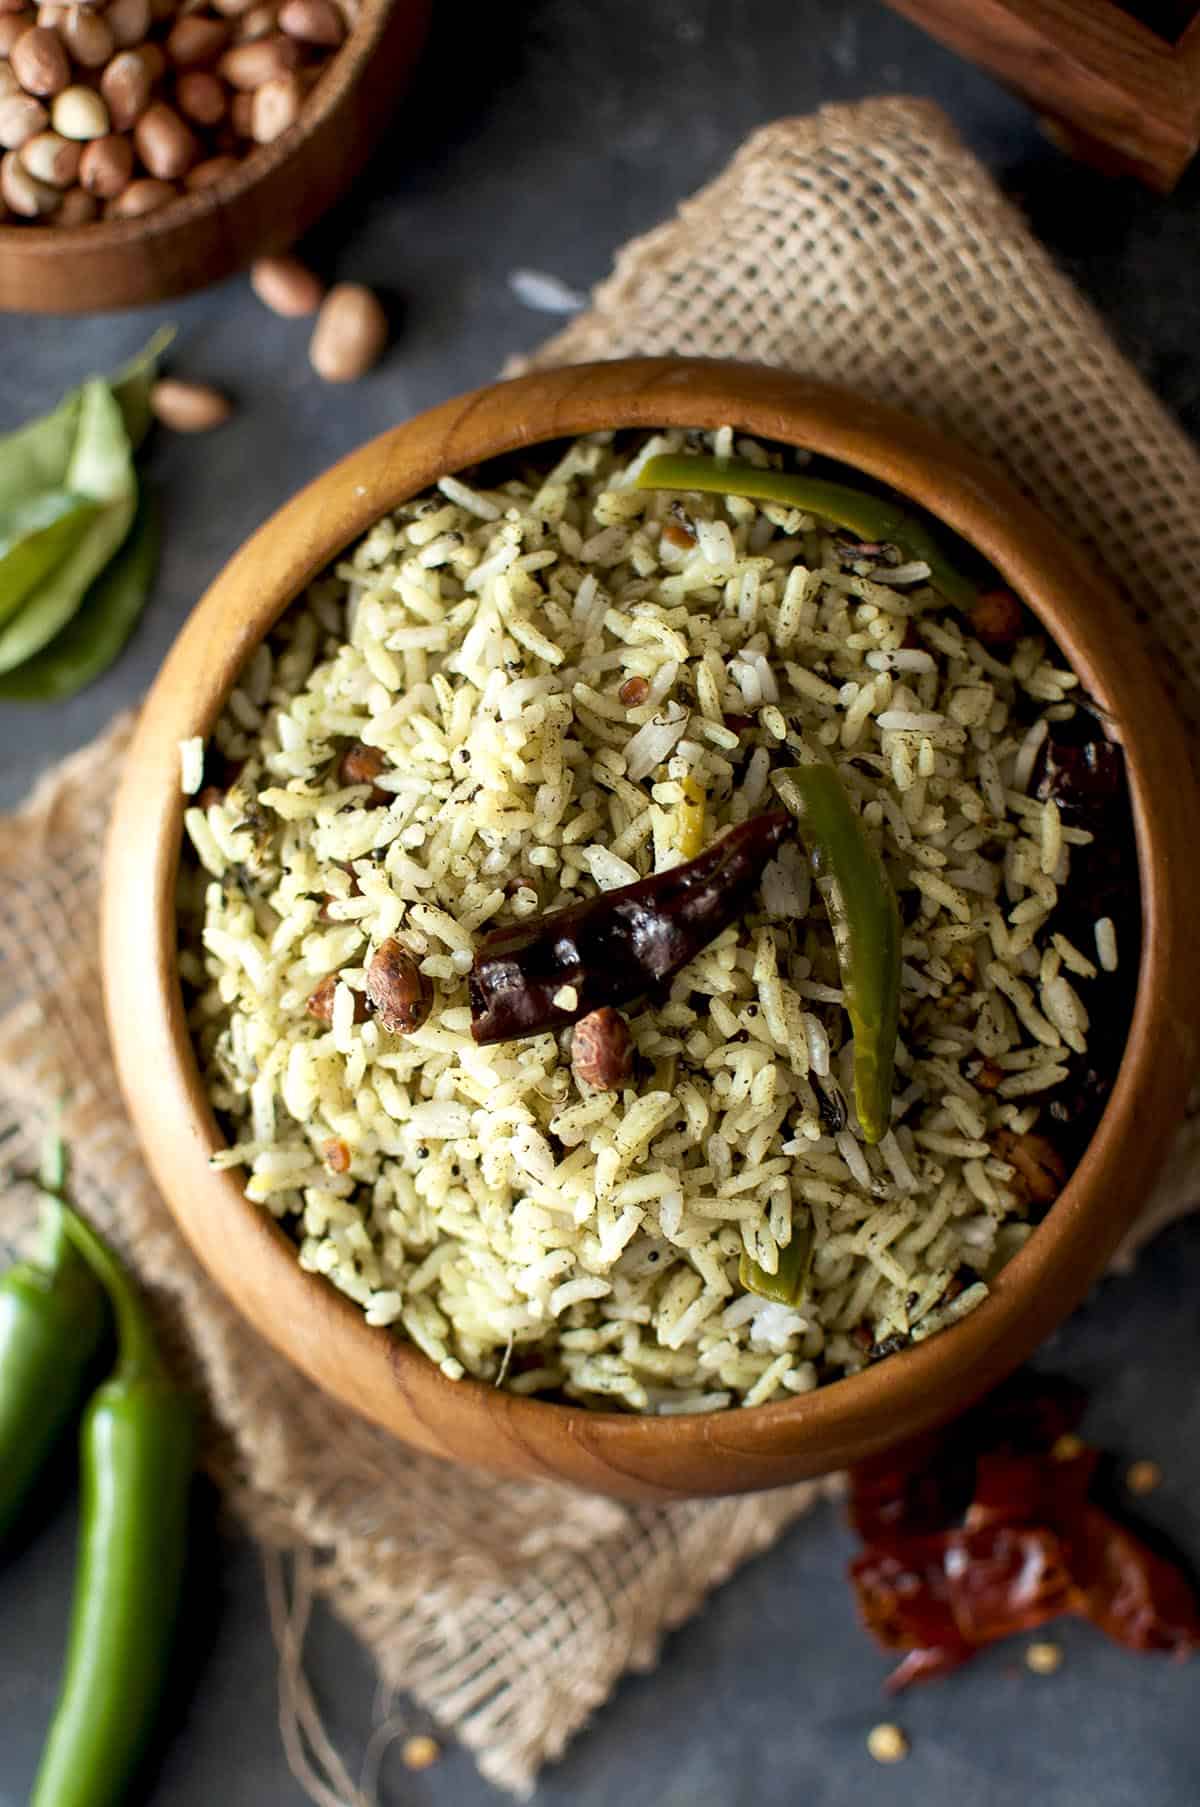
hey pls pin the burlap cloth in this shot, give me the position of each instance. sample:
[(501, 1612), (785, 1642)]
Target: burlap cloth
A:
[(863, 244)]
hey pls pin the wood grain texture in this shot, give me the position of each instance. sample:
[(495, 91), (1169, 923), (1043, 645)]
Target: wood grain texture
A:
[(321, 1331), (264, 206), (1116, 92)]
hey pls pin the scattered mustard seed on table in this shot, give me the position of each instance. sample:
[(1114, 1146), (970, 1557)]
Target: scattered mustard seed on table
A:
[(1143, 1477), (1044, 1659), (887, 1744), (421, 1752)]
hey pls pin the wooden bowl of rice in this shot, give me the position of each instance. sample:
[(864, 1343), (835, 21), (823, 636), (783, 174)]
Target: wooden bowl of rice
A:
[(385, 1377)]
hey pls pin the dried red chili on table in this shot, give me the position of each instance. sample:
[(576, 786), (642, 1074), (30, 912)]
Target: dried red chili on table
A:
[(987, 1529)]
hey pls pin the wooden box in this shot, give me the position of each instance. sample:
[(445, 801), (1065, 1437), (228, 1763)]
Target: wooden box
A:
[(1117, 81)]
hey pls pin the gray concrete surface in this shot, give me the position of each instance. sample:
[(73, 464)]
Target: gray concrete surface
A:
[(542, 136)]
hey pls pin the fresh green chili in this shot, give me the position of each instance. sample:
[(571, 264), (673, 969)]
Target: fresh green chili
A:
[(789, 1283), (873, 518), (858, 895), (137, 1451), (94, 636), (52, 1321)]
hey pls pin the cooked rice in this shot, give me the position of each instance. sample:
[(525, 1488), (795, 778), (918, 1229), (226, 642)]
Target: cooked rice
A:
[(512, 1224)]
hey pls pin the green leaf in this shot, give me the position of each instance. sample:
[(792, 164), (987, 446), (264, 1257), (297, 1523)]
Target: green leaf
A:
[(93, 638), (35, 535), (100, 470), (132, 383), (35, 457)]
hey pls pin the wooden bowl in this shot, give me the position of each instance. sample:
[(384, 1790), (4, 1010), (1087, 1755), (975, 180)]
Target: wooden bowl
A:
[(389, 1381), (265, 205)]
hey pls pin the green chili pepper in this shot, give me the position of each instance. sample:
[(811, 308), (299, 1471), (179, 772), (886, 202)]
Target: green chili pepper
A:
[(858, 895), (94, 636), (52, 1321), (789, 1283), (137, 1451), (101, 471), (871, 517)]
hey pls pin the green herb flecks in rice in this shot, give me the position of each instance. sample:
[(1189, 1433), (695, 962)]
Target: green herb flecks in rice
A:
[(571, 680)]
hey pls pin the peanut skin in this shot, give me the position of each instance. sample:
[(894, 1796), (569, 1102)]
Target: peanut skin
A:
[(601, 1050), (398, 989)]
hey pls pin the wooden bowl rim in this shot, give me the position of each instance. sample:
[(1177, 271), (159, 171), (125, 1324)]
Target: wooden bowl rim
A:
[(336, 81), (736, 1449)]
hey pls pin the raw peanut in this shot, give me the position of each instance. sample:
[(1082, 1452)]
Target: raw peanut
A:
[(12, 26), (313, 22), (276, 108), (51, 159), (88, 36), (233, 9), (126, 86), (39, 61), (997, 618), (14, 6), (78, 208), (201, 97), (8, 82), (361, 764), (285, 286), (350, 334), (163, 10), (79, 113), (166, 146), (193, 40), (213, 169), (21, 117), (106, 166), (398, 989), (601, 1051), (23, 193), (241, 115), (336, 1155), (1041, 1171), (188, 407), (633, 692), (320, 1004), (129, 21), (144, 196), (259, 22), (248, 66)]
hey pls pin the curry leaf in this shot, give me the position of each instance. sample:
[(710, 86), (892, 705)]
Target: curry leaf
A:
[(101, 471), (90, 642), (36, 533)]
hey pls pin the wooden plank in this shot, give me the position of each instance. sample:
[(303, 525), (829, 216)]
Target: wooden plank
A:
[(1117, 90)]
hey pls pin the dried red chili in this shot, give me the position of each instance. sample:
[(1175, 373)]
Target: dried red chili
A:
[(988, 1530), (547, 971)]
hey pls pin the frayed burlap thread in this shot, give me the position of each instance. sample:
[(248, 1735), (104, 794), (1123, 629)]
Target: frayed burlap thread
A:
[(863, 244)]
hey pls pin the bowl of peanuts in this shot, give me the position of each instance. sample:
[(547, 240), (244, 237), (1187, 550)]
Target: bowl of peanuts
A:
[(148, 147)]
